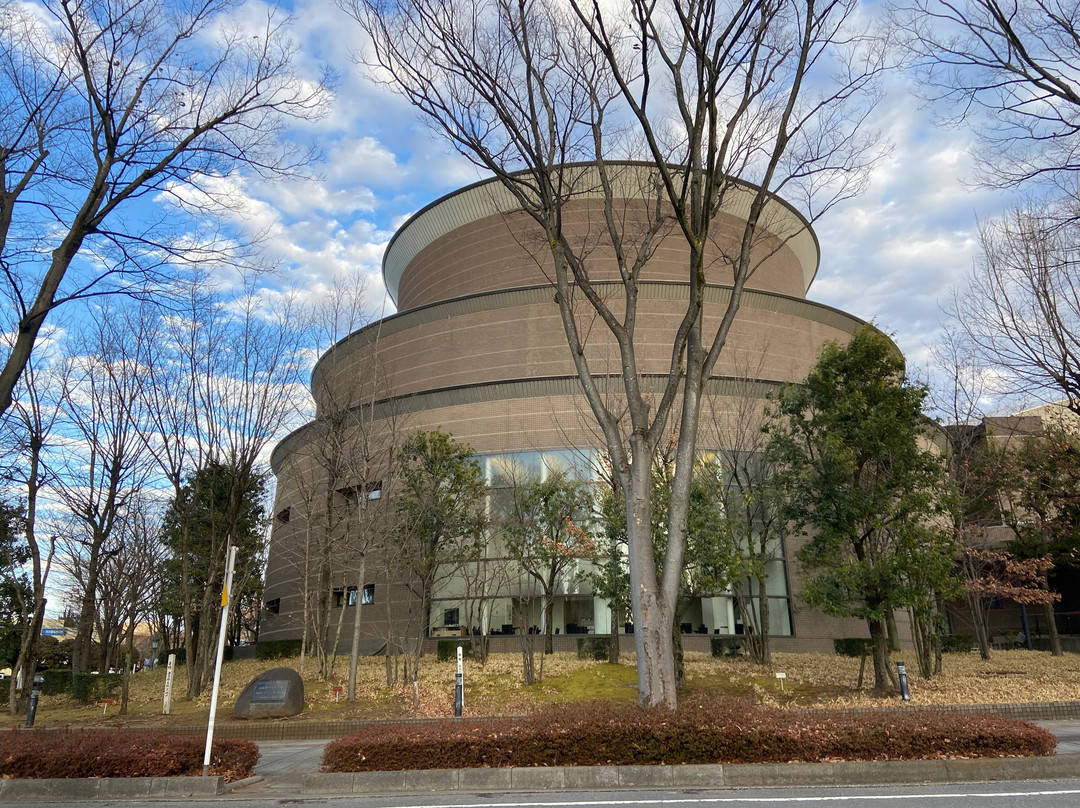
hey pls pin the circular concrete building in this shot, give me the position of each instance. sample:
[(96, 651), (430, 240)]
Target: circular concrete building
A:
[(478, 350)]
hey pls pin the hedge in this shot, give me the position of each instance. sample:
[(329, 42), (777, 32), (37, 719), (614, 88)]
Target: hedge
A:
[(593, 647), (181, 654), (702, 730), (725, 646), (957, 643), (854, 646), (277, 649), (88, 687), (55, 682), (37, 755), (446, 650)]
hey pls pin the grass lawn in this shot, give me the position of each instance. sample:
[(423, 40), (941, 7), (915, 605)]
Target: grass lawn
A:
[(813, 680)]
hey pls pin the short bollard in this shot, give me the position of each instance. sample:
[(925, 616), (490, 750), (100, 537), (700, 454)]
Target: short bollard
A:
[(901, 671), (35, 695), (459, 687)]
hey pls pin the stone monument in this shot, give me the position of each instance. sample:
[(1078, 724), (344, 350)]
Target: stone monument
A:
[(275, 693)]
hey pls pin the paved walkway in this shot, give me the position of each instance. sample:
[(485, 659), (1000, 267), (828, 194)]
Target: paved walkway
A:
[(1068, 735), (284, 763), (282, 766)]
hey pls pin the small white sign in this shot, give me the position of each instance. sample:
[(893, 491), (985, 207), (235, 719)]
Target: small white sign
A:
[(170, 670), (781, 677)]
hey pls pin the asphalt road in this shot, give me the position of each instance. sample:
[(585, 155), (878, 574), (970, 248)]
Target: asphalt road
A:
[(1035, 794)]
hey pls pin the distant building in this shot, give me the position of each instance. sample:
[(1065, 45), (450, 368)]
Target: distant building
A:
[(477, 349), (968, 443)]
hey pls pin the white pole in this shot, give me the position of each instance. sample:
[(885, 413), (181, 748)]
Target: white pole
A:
[(230, 560)]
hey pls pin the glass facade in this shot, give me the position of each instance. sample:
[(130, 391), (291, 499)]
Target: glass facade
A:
[(490, 596)]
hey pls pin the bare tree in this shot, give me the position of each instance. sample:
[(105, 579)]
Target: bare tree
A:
[(714, 97), (343, 472), (751, 503), (109, 104), (224, 381), (1018, 61), (1021, 309), (27, 433), (106, 465)]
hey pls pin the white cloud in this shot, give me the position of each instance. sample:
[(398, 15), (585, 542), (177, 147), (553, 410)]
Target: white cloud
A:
[(894, 254)]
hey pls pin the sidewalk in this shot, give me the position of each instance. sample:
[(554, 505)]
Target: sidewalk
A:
[(286, 769)]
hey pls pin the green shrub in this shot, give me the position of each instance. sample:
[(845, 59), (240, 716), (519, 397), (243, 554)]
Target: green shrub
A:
[(854, 646), (593, 647), (725, 646), (276, 649), (163, 656), (956, 643), (446, 650), (705, 729), (57, 682), (120, 754), (227, 656), (90, 687)]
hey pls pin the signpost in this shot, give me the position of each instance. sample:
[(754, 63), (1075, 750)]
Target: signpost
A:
[(901, 671), (230, 562), (35, 695), (459, 687), (170, 671)]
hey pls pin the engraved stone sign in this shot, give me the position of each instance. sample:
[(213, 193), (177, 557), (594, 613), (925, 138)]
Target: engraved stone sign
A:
[(275, 693)]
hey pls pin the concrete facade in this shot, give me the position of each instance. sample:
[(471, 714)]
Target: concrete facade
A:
[(478, 350)]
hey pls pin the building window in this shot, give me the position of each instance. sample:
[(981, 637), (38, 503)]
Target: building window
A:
[(347, 595), (369, 491), (284, 516), (450, 618), (273, 606)]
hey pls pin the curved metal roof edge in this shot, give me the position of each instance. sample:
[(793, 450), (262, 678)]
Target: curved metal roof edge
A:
[(332, 353), (391, 284), (296, 439)]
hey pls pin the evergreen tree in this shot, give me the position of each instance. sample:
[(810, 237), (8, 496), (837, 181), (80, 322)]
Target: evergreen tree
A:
[(201, 520), (850, 447)]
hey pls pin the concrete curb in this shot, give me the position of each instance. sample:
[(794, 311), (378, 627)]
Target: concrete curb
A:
[(702, 776), (108, 788), (247, 781)]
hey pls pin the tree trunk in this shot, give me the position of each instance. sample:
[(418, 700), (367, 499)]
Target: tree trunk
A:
[(613, 637), (978, 621), (549, 620), (1051, 623), (894, 635), (126, 682), (882, 678), (763, 628), (677, 653), (923, 652), (27, 660), (354, 652), (652, 616), (83, 651), (29, 326)]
